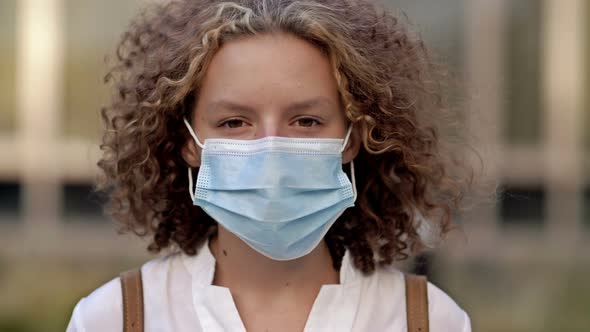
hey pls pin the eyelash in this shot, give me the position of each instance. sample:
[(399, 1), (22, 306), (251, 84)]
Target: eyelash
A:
[(315, 122), (225, 122)]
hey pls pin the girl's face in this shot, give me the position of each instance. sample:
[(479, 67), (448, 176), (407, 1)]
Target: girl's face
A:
[(269, 85)]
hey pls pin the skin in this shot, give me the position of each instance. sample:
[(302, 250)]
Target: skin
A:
[(258, 86)]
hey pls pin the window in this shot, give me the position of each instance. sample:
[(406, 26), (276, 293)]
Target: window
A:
[(586, 124), (81, 204), (586, 206), (10, 202), (586, 121), (523, 205), (441, 24), (523, 112), (7, 65), (93, 29), (422, 265)]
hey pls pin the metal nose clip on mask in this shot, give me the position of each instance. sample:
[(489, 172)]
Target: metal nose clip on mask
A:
[(280, 195)]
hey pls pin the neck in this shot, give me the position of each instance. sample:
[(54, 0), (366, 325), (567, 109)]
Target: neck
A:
[(240, 267)]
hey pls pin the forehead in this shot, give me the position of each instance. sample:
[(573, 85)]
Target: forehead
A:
[(269, 68)]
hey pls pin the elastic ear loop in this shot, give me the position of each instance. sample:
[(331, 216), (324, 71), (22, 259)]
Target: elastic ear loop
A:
[(346, 138), (190, 184), (190, 170), (191, 131), (353, 178)]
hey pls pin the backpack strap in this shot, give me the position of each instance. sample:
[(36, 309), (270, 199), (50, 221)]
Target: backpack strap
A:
[(416, 303), (132, 289)]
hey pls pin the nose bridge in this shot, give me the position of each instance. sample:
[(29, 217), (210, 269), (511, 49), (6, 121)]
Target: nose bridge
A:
[(269, 125)]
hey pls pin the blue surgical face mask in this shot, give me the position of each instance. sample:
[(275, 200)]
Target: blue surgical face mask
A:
[(280, 195)]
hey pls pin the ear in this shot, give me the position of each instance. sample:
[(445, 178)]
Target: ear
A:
[(353, 146), (191, 153)]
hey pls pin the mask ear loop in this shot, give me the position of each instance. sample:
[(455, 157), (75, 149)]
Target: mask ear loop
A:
[(192, 132), (190, 184), (190, 170), (346, 138), (353, 178)]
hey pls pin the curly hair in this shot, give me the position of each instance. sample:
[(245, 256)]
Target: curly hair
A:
[(387, 82)]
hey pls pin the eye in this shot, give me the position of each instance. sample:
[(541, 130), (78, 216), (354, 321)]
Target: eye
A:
[(232, 123), (307, 122)]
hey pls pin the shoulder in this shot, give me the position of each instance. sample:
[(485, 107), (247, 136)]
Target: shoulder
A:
[(443, 312), (102, 310), (91, 311)]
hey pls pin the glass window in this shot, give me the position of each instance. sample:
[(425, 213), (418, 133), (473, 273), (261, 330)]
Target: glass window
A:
[(10, 202), (441, 23), (586, 206), (586, 120), (81, 204), (422, 265), (523, 205), (7, 65), (93, 29), (523, 112)]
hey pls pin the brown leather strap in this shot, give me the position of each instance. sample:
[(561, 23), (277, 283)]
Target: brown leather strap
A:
[(416, 303), (132, 289)]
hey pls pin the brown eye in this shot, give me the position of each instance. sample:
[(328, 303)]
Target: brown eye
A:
[(307, 122), (232, 123)]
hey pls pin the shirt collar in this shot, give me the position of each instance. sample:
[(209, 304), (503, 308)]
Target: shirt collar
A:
[(348, 273), (202, 267)]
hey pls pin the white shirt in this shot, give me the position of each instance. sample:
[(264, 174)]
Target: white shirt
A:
[(179, 296)]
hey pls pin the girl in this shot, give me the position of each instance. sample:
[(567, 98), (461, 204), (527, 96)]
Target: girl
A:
[(287, 150)]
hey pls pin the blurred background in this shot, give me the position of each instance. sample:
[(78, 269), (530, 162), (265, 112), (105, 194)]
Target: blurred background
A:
[(521, 263)]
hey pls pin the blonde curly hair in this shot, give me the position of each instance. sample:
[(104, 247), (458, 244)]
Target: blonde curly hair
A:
[(387, 83)]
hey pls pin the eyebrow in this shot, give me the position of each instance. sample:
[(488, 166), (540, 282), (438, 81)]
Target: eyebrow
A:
[(228, 105), (294, 107), (310, 104)]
